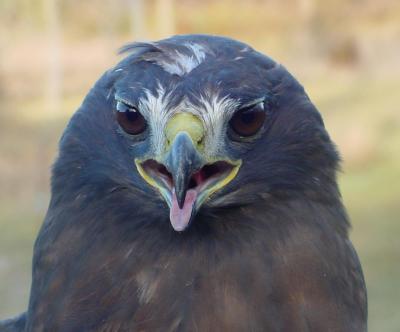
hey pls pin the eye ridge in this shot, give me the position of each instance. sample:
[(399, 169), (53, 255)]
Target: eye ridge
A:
[(130, 119)]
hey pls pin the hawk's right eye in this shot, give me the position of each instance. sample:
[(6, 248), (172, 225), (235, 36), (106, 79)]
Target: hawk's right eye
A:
[(130, 119)]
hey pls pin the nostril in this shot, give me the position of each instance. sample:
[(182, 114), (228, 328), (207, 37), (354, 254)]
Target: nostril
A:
[(200, 141)]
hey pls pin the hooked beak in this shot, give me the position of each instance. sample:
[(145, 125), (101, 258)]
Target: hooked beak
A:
[(182, 162), (185, 179)]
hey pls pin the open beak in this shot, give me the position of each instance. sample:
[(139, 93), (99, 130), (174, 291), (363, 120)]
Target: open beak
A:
[(185, 180)]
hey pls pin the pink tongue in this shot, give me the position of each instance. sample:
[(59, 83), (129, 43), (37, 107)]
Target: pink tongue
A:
[(180, 217)]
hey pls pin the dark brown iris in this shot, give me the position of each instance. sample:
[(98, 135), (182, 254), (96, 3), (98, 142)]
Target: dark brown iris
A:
[(130, 119), (247, 122)]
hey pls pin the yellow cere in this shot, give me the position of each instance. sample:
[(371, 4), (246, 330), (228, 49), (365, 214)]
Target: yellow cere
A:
[(185, 122)]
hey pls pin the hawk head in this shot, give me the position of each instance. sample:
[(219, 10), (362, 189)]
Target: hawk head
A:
[(188, 126)]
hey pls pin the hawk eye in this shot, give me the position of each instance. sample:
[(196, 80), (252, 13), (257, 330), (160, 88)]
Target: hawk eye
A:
[(130, 119), (248, 121)]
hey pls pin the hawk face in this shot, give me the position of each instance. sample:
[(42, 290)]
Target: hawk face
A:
[(193, 124)]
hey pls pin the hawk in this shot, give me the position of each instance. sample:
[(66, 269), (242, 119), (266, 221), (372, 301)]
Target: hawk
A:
[(195, 190)]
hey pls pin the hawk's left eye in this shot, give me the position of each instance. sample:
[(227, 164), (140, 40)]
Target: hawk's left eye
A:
[(248, 121), (130, 119)]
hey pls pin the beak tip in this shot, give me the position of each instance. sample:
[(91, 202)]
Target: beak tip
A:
[(181, 199)]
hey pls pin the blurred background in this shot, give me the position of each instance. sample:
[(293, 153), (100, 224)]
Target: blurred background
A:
[(346, 53)]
